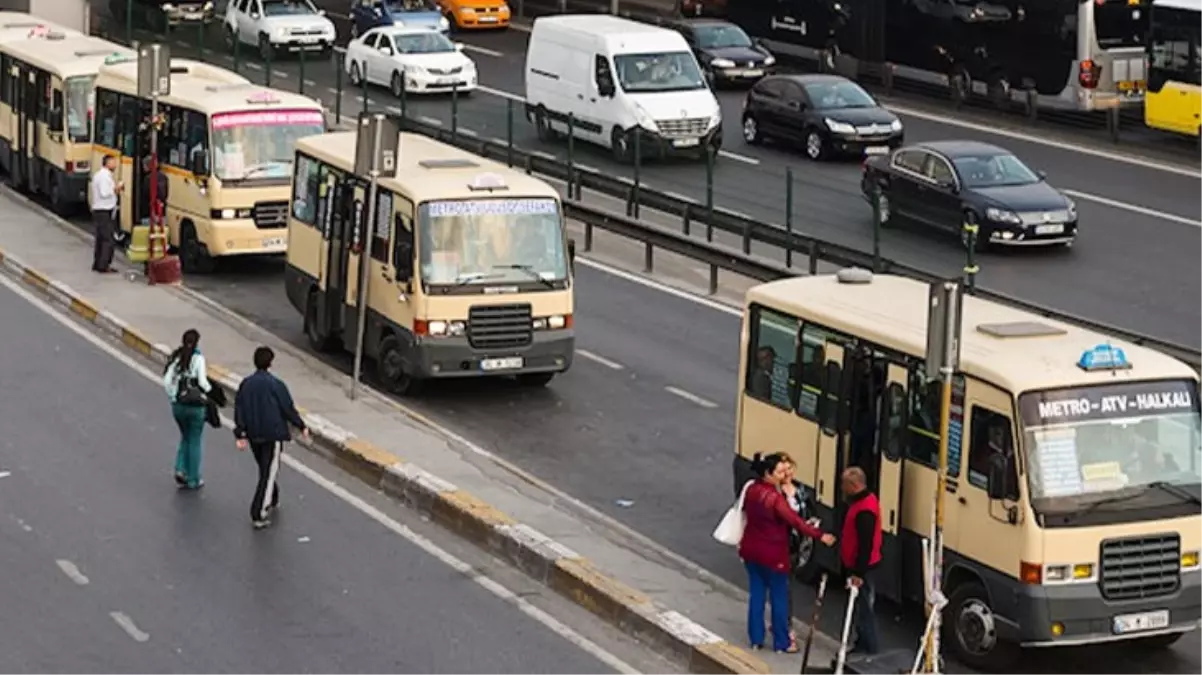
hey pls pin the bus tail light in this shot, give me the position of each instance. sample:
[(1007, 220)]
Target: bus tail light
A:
[(1089, 74)]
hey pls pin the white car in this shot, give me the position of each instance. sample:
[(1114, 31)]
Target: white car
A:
[(290, 26), (417, 60)]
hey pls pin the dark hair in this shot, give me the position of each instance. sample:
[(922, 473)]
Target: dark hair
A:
[(183, 353), (263, 358), (762, 465)]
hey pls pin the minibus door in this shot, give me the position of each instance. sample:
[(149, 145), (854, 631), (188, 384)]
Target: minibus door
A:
[(831, 444), (27, 115), (333, 253), (891, 438), (354, 195)]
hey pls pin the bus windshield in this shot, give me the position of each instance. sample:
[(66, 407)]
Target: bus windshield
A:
[(1119, 24), (492, 241), (79, 97), (1087, 444), (255, 145)]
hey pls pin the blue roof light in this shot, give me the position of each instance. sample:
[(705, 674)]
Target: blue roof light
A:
[(1104, 357)]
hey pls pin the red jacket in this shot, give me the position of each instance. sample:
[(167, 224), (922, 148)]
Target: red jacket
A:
[(860, 544), (766, 535)]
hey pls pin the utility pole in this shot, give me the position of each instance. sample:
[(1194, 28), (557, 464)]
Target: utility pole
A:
[(154, 81)]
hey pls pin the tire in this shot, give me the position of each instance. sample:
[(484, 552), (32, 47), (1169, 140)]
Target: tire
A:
[(805, 564), (970, 630), (619, 143), (815, 145), (542, 126), (356, 74), (320, 342), (390, 369), (266, 51), (194, 258), (535, 380), (354, 30), (396, 84), (56, 197), (751, 130)]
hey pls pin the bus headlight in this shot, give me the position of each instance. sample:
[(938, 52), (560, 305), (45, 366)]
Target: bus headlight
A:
[(1189, 561), (1070, 573), (553, 322), (444, 328)]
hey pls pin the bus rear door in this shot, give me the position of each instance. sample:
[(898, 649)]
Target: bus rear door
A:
[(891, 435), (831, 443), (25, 113)]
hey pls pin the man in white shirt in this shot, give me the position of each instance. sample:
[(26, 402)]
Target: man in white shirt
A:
[(105, 189)]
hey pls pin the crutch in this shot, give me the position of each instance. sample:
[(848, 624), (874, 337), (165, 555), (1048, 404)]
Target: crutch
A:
[(805, 654), (852, 592)]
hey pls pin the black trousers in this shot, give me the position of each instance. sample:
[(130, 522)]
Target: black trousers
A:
[(105, 230), (267, 492)]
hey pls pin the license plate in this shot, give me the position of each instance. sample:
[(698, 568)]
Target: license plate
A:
[(876, 150), (194, 16), (273, 242), (686, 142), (752, 72), (1135, 623), (488, 19), (308, 40), (502, 364), (1055, 228), (1131, 85), (448, 81)]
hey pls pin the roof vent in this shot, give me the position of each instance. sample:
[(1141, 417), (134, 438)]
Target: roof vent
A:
[(454, 163), (854, 275), (1020, 329)]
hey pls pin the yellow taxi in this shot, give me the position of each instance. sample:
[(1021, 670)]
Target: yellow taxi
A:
[(475, 14)]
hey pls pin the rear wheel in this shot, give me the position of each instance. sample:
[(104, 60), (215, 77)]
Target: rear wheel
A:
[(959, 82), (396, 84), (318, 340), (751, 130), (884, 208), (356, 74)]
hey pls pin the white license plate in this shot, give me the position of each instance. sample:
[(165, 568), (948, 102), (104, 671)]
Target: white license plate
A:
[(488, 19), (446, 81), (1135, 623), (686, 142), (754, 72), (193, 16), (308, 40), (502, 364), (273, 242), (876, 150), (1054, 228)]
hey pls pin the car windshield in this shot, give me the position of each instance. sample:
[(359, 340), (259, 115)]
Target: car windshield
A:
[(260, 145), (492, 241), (80, 99), (409, 6), (1086, 444), (718, 36), (993, 171), (422, 43), (667, 71), (836, 94), (287, 7)]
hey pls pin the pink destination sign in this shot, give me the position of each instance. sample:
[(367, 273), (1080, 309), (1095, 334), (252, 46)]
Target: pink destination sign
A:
[(268, 118)]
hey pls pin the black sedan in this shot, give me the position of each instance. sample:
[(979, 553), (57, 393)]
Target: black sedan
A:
[(828, 114), (726, 54), (942, 184)]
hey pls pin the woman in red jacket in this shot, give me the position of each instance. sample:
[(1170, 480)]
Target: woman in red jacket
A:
[(765, 551)]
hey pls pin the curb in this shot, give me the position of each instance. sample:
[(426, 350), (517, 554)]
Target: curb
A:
[(542, 558)]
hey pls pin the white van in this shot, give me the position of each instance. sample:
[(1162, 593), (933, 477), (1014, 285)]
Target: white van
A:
[(618, 77)]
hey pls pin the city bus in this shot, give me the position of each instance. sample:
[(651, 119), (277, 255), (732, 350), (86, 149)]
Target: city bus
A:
[(1079, 55), (46, 96), (469, 270), (1072, 514), (1174, 101), (225, 145)]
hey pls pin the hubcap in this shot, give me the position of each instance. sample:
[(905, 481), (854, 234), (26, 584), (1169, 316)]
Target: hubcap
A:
[(883, 207), (814, 144), (975, 628), (749, 129)]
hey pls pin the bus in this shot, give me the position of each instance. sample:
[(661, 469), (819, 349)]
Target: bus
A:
[(1072, 514), (469, 274), (225, 145), (1081, 55), (45, 113), (1174, 101)]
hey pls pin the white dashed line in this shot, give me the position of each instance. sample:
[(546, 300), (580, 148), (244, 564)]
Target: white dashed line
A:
[(72, 572), (739, 158), (333, 90), (612, 365), (311, 83), (279, 73), (501, 92), (127, 624), (431, 120), (690, 397), (586, 167), (482, 50), (544, 155), (254, 66), (1142, 210), (466, 132)]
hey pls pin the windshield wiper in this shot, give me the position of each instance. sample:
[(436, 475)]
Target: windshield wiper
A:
[(1092, 506), (256, 168), (530, 271), (1175, 490), (469, 277)]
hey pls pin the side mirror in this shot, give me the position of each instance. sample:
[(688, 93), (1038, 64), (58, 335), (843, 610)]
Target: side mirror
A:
[(458, 46), (403, 260), (386, 50), (996, 485), (321, 12), (55, 124), (254, 16), (200, 164), (572, 254)]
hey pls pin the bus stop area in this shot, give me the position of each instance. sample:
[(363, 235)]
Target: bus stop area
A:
[(687, 613)]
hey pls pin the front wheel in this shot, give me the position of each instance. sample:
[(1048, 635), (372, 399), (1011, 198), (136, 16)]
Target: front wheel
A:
[(619, 144), (266, 51), (970, 628), (751, 130), (396, 84), (816, 146), (194, 257), (982, 241), (390, 369), (542, 125)]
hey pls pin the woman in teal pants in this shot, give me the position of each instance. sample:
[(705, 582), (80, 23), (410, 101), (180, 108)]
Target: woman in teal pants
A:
[(188, 387)]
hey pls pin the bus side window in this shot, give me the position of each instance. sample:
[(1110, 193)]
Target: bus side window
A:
[(769, 364), (832, 395), (55, 121), (304, 191), (992, 443), (402, 252), (924, 418), (893, 421), (382, 233), (812, 361), (106, 118)]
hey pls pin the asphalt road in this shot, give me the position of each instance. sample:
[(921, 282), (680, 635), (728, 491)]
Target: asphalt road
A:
[(108, 567)]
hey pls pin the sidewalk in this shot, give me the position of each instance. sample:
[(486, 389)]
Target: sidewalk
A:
[(599, 564)]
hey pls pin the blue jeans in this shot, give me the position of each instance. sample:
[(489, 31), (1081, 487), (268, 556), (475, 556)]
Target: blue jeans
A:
[(766, 584), (191, 422), (867, 639)]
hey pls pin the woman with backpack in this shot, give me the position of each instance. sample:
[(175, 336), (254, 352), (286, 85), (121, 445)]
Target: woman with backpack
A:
[(188, 389)]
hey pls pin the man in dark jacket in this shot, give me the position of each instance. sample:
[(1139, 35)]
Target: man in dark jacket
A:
[(860, 553), (263, 409)]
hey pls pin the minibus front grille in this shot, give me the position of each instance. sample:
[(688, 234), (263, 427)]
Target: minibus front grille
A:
[(1140, 567), (494, 327), (270, 215)]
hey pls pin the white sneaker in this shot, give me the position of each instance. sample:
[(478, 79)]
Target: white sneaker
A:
[(260, 524)]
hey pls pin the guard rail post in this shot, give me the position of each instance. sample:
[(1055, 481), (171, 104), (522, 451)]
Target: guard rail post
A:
[(300, 87), (363, 76), (789, 216), (633, 207), (709, 193), (971, 231), (200, 39), (237, 54), (876, 228), (686, 219), (571, 155), (1112, 122), (529, 164), (404, 97), (454, 112), (815, 253), (129, 21), (509, 131), (339, 65), (267, 66)]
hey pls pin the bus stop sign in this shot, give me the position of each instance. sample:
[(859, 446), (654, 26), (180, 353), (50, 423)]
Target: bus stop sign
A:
[(154, 70), (376, 144), (943, 328)]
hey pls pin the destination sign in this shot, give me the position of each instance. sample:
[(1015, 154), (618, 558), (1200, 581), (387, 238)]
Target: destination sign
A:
[(492, 207), (1110, 401)]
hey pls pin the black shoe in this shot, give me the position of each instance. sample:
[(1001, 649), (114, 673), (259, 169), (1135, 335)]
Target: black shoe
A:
[(181, 480)]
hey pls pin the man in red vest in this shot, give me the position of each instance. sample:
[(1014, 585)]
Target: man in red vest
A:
[(860, 553)]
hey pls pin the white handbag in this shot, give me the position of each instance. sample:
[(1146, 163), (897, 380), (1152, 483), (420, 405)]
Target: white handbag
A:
[(730, 528)]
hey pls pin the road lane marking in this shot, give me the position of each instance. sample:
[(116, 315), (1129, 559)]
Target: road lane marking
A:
[(279, 73), (127, 624), (466, 132), (69, 568), (430, 120), (1142, 210), (482, 50), (738, 158), (690, 397), (311, 83), (333, 91), (254, 66), (428, 546), (597, 358), (544, 155), (663, 288)]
